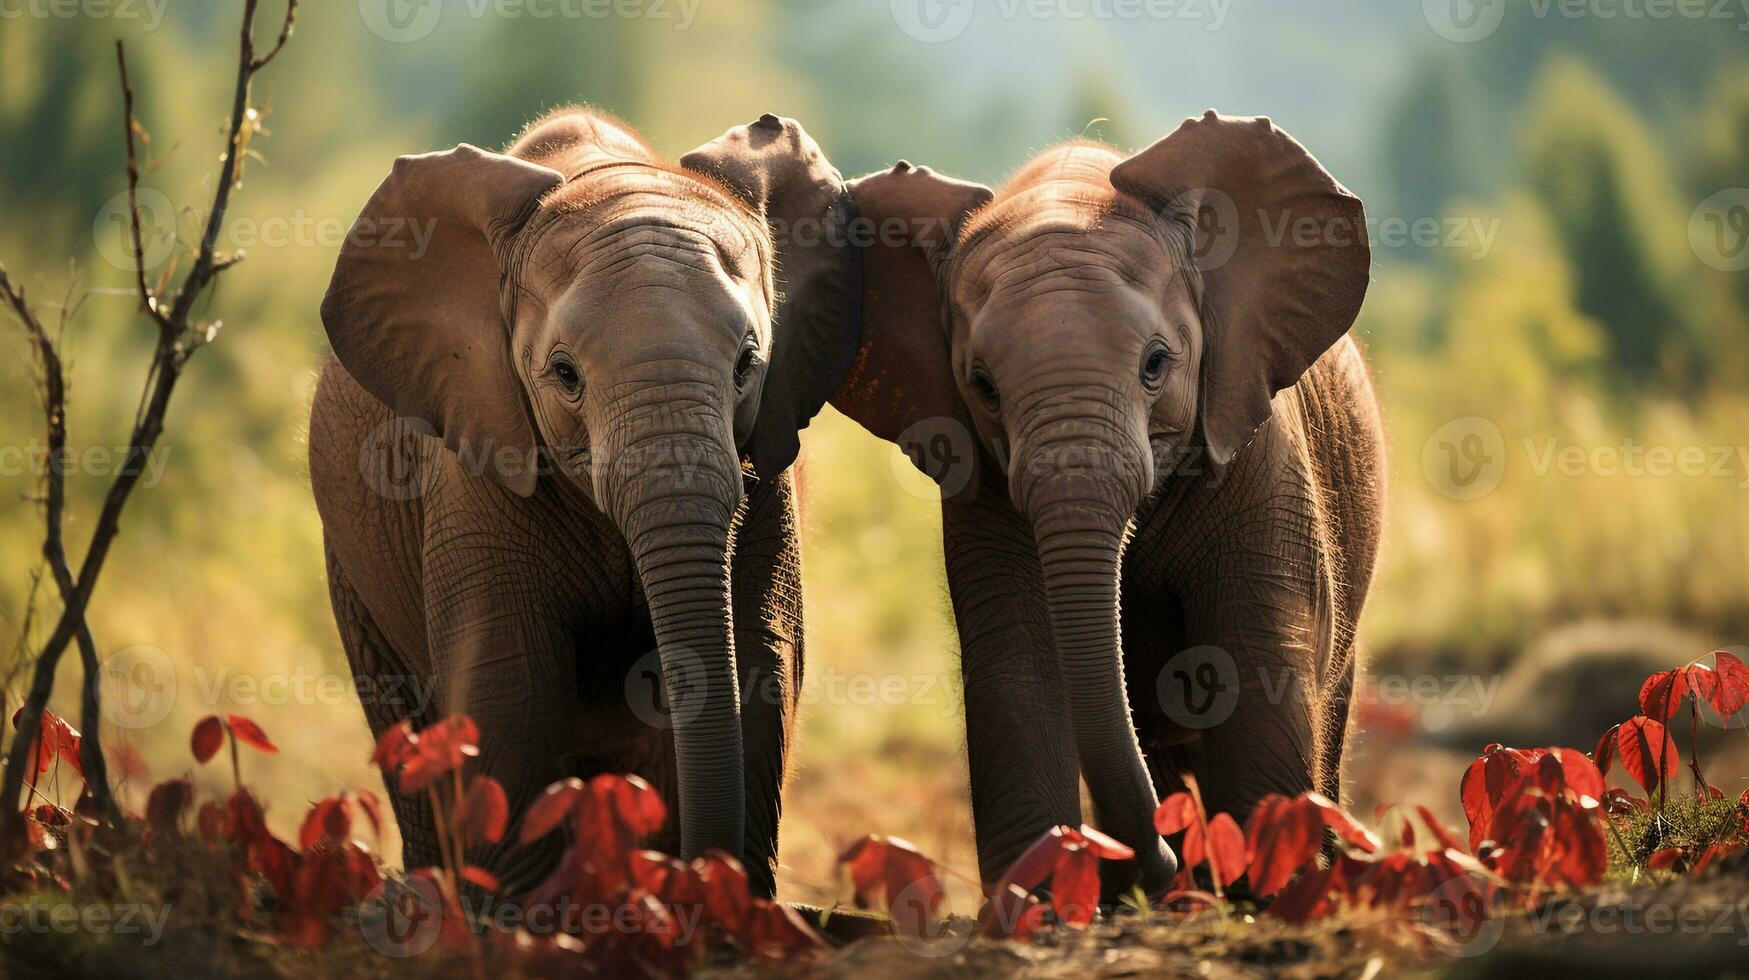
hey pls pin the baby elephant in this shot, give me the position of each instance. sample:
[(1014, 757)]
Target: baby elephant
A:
[(1160, 460), (528, 452)]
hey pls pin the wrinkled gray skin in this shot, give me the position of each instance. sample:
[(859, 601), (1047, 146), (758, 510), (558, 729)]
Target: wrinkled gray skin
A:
[(527, 455), (1151, 439)]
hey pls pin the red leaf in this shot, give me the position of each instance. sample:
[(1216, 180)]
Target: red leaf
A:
[(1175, 813), (1582, 852), (551, 808), (614, 815), (485, 811), (328, 821), (55, 739), (1485, 783), (1647, 751), (440, 749), (1075, 885), (1281, 837), (1033, 867), (1012, 911), (209, 734), (1724, 686), (1447, 841), (1104, 846), (1662, 694), (775, 930), (480, 877), (1578, 774), (250, 734), (211, 821), (724, 882), (889, 872), (1622, 803), (245, 823), (666, 878), (1346, 826), (167, 803), (395, 746), (1226, 848), (1665, 859), (1604, 754)]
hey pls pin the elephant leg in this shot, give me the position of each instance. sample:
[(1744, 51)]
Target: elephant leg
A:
[(766, 581), (389, 691), (1255, 645), (507, 658), (1025, 773)]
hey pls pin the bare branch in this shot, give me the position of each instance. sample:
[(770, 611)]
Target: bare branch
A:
[(148, 302), (205, 269), (291, 14), (54, 399)]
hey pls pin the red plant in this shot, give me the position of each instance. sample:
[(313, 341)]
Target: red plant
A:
[(56, 740), (1218, 843), (888, 871), (209, 734), (603, 869), (1066, 858), (1646, 749)]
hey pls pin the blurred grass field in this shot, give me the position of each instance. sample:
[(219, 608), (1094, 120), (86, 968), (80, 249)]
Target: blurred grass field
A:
[(1592, 319)]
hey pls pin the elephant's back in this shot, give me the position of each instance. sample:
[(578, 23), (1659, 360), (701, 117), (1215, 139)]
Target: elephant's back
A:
[(368, 474)]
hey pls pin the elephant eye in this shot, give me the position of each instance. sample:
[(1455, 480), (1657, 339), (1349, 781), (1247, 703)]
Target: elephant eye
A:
[(744, 363), (1155, 359), (567, 374), (985, 387)]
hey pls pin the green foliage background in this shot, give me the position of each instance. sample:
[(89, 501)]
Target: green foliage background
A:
[(1589, 320)]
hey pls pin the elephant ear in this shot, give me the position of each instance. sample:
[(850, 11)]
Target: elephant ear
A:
[(1281, 250), (778, 170), (901, 387), (413, 307)]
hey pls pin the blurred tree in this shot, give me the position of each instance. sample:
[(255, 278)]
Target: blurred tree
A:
[(1602, 178), (1721, 137), (1432, 144)]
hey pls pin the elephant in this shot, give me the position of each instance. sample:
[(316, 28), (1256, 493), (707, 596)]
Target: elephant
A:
[(551, 452), (1160, 462)]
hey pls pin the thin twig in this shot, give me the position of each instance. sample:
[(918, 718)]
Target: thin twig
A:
[(148, 302), (285, 29)]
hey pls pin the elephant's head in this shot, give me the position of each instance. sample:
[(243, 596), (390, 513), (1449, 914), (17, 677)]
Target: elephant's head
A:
[(1099, 324), (578, 310)]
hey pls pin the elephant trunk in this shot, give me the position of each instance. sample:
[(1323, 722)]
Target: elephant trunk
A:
[(1079, 514), (674, 491)]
